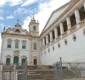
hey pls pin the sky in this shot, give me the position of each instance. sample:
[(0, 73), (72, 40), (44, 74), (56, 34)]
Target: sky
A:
[(13, 10)]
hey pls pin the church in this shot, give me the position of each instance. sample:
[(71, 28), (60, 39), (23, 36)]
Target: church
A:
[(63, 36)]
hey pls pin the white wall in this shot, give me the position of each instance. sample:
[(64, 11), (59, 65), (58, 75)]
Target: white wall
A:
[(10, 51), (72, 51)]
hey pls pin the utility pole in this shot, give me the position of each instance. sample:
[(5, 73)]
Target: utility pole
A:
[(61, 71), (25, 71), (58, 72)]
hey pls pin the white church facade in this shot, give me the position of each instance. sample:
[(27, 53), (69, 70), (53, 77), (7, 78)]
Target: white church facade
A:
[(63, 36)]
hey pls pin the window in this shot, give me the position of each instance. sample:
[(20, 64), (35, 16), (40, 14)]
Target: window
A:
[(74, 37), (48, 50), (9, 42), (65, 42), (35, 46), (84, 31), (59, 45), (7, 61), (16, 60), (34, 28), (23, 44), (23, 61), (16, 43), (53, 48)]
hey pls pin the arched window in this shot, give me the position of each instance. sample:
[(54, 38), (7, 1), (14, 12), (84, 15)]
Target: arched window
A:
[(9, 43), (23, 44), (16, 43), (35, 46), (34, 28), (16, 60), (7, 61)]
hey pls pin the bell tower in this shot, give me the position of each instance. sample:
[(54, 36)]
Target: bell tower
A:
[(34, 27)]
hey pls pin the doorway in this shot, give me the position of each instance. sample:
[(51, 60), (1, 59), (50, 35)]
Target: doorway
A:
[(35, 62)]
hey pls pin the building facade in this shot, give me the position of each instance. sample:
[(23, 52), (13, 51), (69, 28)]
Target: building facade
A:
[(63, 36), (19, 46)]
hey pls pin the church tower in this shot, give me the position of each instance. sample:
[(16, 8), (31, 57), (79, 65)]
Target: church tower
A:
[(34, 27)]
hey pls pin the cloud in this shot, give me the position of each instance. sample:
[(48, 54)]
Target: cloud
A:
[(15, 2), (28, 2), (1, 12), (0, 43), (21, 11), (11, 2), (10, 17), (45, 10), (1, 18), (26, 23), (2, 2)]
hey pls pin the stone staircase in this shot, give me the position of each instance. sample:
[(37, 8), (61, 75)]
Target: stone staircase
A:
[(38, 73), (41, 72)]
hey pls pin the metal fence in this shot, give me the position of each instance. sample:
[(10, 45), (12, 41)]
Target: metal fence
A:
[(69, 71)]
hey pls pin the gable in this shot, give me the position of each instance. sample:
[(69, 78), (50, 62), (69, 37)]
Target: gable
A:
[(16, 30), (55, 15)]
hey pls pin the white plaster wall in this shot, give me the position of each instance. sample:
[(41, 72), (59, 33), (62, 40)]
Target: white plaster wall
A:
[(9, 51), (37, 51), (72, 51)]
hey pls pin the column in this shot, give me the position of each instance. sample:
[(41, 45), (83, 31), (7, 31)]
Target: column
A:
[(46, 39), (20, 60), (56, 33), (61, 29), (84, 4), (43, 42), (77, 16), (12, 57), (51, 37), (10, 75), (16, 75), (68, 24), (1, 72)]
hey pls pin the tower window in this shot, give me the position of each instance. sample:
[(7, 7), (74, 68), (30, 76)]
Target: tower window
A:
[(9, 42), (34, 28)]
